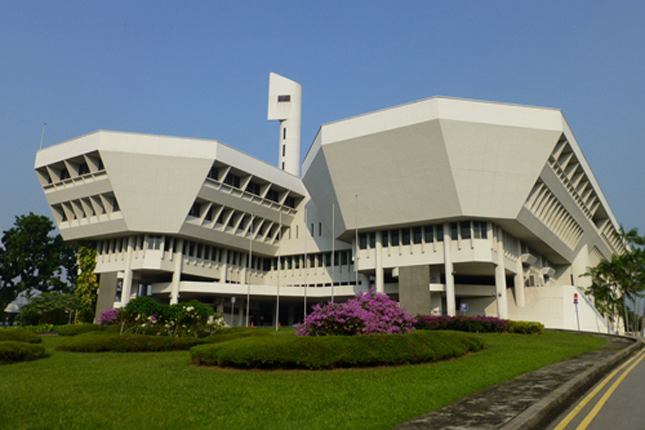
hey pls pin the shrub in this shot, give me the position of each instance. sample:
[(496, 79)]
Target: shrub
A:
[(188, 318), (328, 352), (477, 324), (366, 313), (18, 335), (76, 329), (49, 308), (103, 342), (41, 329), (14, 351), (525, 327), (109, 317)]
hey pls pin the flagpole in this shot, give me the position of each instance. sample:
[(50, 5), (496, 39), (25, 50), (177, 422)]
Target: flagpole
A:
[(248, 272), (277, 301), (333, 242), (305, 238), (356, 240)]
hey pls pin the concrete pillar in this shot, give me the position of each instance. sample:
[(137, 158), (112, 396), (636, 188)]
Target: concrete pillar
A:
[(126, 291), (451, 302), (518, 283), (178, 260), (380, 277), (500, 279)]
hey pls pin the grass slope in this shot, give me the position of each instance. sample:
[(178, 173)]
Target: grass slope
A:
[(161, 391)]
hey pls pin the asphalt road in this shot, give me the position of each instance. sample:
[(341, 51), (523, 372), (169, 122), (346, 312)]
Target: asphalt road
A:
[(616, 402)]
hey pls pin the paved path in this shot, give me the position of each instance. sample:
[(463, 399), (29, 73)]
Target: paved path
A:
[(615, 402), (530, 400)]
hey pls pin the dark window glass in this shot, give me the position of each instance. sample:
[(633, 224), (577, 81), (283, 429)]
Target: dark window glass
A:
[(465, 230), (344, 258), (195, 210), (290, 201), (232, 180), (394, 237), (327, 259), (373, 240), (429, 233), (454, 231), (272, 195), (439, 232), (405, 236), (83, 169), (416, 235), (284, 98), (213, 173), (362, 241)]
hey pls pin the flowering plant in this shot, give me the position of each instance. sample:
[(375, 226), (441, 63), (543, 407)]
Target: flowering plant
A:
[(366, 313), (109, 317)]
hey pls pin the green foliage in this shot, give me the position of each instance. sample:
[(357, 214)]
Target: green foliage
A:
[(41, 329), (328, 352), (97, 341), (86, 282), (76, 329), (32, 259), (49, 308), (104, 341), (132, 391), (525, 327), (621, 279), (13, 352), (19, 335)]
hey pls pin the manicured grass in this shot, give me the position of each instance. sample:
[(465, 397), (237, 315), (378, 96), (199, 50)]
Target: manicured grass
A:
[(161, 391)]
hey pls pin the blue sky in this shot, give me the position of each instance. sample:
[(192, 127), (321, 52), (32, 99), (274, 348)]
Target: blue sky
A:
[(200, 69)]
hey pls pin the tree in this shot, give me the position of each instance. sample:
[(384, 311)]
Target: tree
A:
[(50, 308), (86, 283), (619, 281), (31, 258)]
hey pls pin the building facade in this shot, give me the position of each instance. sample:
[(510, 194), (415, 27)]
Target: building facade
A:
[(449, 206)]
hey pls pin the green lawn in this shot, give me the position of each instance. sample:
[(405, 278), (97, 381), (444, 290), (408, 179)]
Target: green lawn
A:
[(162, 391)]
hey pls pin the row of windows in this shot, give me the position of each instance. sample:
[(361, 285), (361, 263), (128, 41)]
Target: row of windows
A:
[(86, 207), (71, 168), (425, 234)]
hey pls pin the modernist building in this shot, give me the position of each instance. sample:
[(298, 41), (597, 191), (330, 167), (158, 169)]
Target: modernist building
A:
[(449, 206)]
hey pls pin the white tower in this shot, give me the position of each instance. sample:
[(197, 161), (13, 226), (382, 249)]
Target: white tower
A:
[(285, 105)]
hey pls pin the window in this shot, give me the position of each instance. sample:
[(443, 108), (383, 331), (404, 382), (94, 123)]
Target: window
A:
[(429, 233), (320, 229), (479, 230), (154, 242), (284, 150), (416, 235), (213, 173), (195, 210), (253, 188), (232, 180), (284, 98), (344, 258), (312, 229), (439, 233), (209, 214), (83, 169), (327, 259), (64, 174), (362, 241), (373, 240), (405, 236), (291, 202), (454, 231), (465, 229), (273, 195), (284, 136), (394, 237)]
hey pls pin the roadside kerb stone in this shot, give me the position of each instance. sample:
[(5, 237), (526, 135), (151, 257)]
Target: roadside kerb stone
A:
[(530, 400)]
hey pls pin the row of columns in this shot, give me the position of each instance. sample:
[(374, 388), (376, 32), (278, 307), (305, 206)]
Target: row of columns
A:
[(451, 303)]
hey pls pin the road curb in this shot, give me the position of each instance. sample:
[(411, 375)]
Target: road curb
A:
[(541, 412)]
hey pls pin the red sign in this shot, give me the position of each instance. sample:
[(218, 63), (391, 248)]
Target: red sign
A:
[(575, 298)]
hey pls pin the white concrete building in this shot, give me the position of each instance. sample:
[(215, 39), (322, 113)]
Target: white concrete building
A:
[(449, 206)]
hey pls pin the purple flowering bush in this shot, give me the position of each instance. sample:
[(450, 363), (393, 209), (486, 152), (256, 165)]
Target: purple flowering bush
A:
[(109, 317), (366, 313)]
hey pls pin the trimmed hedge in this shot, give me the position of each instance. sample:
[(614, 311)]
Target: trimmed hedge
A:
[(19, 335), (329, 352), (15, 351), (76, 329), (102, 341), (477, 324), (525, 327)]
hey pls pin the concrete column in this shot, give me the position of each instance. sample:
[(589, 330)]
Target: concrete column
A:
[(380, 278), (178, 259), (127, 273), (500, 279), (451, 302), (518, 283)]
